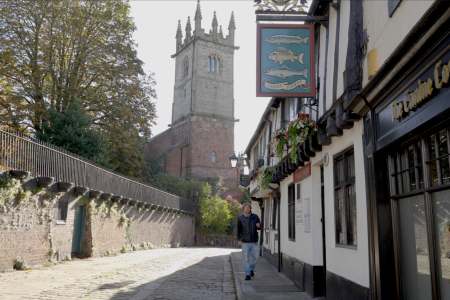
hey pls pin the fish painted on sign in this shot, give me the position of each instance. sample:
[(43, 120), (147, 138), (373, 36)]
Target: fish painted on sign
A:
[(287, 39), (287, 86), (282, 54), (286, 72)]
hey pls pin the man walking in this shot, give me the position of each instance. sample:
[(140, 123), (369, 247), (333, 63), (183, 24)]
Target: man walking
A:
[(248, 224)]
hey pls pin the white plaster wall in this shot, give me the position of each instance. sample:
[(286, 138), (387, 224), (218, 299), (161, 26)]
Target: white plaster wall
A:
[(352, 264), (386, 33), (307, 247)]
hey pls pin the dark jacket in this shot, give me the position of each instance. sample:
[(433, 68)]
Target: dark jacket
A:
[(246, 228)]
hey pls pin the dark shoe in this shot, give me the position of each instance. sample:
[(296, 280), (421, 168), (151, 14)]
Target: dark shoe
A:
[(252, 273), (247, 277)]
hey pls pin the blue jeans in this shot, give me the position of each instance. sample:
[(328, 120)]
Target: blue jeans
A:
[(249, 256)]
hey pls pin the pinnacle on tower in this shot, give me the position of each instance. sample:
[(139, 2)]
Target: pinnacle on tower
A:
[(188, 29), (198, 19), (214, 24), (179, 36), (231, 28), (220, 31), (232, 25)]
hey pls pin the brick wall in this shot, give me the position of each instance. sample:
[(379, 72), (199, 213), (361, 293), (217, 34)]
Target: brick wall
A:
[(23, 233), (30, 230)]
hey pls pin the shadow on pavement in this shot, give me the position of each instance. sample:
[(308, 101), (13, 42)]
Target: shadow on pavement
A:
[(211, 278)]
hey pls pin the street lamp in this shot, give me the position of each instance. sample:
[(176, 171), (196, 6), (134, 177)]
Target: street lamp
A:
[(233, 160), (240, 162)]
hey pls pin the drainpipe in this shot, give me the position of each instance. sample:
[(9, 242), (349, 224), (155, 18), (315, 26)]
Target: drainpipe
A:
[(261, 237), (279, 236)]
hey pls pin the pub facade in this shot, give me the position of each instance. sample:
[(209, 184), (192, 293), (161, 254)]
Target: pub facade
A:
[(359, 207)]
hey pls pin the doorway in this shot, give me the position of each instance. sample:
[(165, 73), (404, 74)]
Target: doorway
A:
[(78, 231)]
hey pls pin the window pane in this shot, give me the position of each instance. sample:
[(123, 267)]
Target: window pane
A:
[(441, 205), (433, 160), (443, 156), (414, 258), (339, 209), (419, 164), (351, 216), (350, 165), (412, 169)]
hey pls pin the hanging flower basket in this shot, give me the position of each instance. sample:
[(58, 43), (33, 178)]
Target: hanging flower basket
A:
[(296, 133)]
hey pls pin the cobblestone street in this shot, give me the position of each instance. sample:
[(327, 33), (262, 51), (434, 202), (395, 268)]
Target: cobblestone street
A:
[(174, 273)]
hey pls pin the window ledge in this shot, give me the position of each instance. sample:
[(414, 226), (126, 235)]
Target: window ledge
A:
[(60, 222), (350, 247)]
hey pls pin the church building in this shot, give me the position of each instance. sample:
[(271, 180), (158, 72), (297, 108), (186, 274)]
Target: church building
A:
[(200, 138)]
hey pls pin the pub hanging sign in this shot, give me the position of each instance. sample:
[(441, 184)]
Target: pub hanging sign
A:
[(285, 60)]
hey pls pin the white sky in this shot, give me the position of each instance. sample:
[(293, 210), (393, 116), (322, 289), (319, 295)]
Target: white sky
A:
[(156, 22)]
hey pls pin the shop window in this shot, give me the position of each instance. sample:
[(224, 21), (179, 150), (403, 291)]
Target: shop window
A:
[(438, 148), (345, 198), (61, 211), (291, 212), (407, 170)]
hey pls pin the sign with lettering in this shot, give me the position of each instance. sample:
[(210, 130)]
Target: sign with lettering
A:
[(302, 173), (424, 95), (423, 91), (285, 60)]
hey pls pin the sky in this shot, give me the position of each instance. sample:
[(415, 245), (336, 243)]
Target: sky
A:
[(156, 22)]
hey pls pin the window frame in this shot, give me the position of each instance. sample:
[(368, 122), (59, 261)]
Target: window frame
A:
[(342, 187)]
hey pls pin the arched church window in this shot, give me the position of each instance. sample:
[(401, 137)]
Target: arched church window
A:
[(185, 67), (213, 156), (213, 64)]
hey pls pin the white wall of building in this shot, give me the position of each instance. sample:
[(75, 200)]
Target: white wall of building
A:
[(307, 246), (352, 264), (386, 33)]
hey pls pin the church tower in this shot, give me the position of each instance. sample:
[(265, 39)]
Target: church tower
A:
[(204, 70), (201, 135)]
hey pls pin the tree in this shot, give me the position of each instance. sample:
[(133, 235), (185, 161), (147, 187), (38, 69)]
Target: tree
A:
[(70, 129), (56, 52), (216, 214)]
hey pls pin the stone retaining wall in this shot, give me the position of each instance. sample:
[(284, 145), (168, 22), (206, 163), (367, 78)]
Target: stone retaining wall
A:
[(30, 232), (216, 240)]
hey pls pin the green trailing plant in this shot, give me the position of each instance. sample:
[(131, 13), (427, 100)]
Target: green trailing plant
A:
[(124, 221), (266, 177), (297, 132), (12, 192), (20, 265), (281, 141)]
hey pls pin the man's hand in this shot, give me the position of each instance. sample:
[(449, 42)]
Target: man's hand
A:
[(258, 225)]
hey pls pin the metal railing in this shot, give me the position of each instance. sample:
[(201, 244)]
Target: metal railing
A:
[(18, 152)]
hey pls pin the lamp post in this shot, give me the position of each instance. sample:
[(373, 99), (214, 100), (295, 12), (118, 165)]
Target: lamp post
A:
[(239, 162)]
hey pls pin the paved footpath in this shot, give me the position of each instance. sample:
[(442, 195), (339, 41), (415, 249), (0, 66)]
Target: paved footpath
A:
[(267, 284), (159, 274)]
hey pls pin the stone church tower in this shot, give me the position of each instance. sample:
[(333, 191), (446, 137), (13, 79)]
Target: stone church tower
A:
[(200, 139)]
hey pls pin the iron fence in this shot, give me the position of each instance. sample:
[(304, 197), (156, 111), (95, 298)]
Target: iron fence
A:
[(19, 152)]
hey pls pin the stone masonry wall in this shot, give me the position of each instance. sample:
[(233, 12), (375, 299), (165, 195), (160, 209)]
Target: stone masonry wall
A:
[(30, 232)]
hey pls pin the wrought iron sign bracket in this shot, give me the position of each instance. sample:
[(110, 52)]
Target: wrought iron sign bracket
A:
[(285, 11)]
